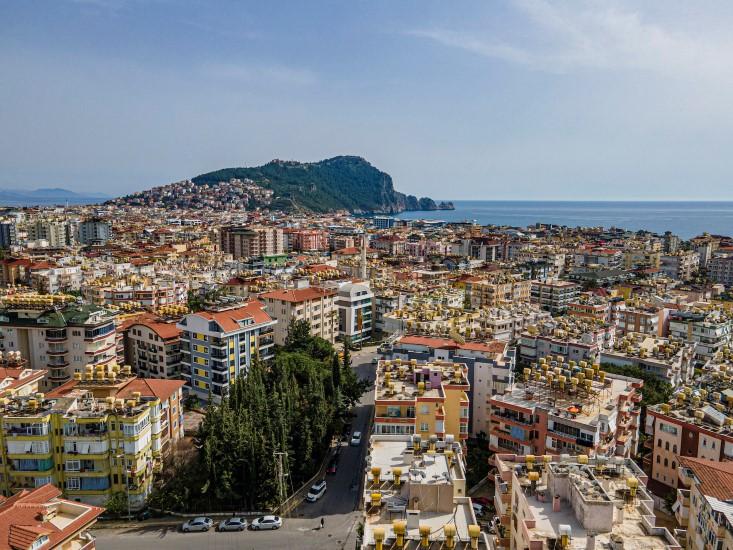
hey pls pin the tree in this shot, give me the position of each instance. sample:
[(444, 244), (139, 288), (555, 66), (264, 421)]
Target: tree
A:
[(346, 357), (299, 335), (336, 372), (116, 504)]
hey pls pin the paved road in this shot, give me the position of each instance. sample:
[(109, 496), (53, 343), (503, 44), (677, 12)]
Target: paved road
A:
[(342, 494), (338, 507)]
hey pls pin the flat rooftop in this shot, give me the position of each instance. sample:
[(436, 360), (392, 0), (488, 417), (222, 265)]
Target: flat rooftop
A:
[(423, 476), (579, 405), (407, 380)]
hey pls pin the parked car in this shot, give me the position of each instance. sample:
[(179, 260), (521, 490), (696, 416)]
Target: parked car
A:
[(332, 466), (375, 360), (478, 509), (355, 439), (266, 522), (198, 524), (233, 524), (142, 515), (483, 501), (316, 491)]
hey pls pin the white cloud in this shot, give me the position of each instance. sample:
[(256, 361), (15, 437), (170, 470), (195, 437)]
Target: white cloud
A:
[(597, 35)]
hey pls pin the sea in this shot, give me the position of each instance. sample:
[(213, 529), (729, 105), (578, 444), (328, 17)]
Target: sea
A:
[(684, 219)]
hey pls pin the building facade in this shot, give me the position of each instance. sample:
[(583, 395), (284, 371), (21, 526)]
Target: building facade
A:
[(218, 345)]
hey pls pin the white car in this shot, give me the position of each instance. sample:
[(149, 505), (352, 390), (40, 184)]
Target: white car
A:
[(266, 522), (316, 491), (197, 524), (478, 509), (233, 524), (355, 439)]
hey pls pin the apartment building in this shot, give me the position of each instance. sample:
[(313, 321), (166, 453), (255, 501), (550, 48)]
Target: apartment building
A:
[(308, 240), (51, 279), (554, 296), (354, 304), (567, 408), (703, 504), (490, 368), (219, 344), (40, 518), (574, 503), (307, 303), (509, 322), (8, 234), (251, 242), (121, 383), (591, 307), (720, 269), (671, 361), (56, 334), (603, 257), (415, 496), (650, 320), (501, 290), (87, 447), (147, 294), (153, 348), (697, 422), (681, 265), (386, 302), (670, 242), (710, 330), (429, 399), (570, 337), (55, 234), (94, 231)]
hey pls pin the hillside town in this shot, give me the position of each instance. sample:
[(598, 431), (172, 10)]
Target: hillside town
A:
[(435, 384)]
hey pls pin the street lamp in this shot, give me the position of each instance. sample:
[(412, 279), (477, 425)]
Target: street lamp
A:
[(127, 484)]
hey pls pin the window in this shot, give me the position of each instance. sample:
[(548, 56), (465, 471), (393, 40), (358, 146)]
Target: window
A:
[(73, 465), (658, 459), (666, 445), (424, 426), (39, 542), (659, 442), (73, 484), (424, 409), (666, 463), (674, 449), (674, 465)]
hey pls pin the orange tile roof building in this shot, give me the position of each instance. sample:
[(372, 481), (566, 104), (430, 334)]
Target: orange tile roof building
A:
[(218, 345), (39, 518), (313, 304)]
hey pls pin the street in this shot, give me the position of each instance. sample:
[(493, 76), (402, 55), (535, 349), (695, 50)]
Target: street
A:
[(301, 529)]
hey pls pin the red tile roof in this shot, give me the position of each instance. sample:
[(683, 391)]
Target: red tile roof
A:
[(21, 518), (229, 318), (299, 294), (162, 389), (716, 478), (15, 374)]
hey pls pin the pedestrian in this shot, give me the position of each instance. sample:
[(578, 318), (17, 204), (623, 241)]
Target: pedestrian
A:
[(323, 522)]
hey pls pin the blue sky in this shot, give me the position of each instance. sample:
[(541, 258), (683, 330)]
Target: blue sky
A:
[(501, 99)]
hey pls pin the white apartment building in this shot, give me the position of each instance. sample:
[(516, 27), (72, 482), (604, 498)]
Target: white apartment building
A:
[(354, 303)]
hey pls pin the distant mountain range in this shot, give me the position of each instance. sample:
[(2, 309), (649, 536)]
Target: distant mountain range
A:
[(339, 183), (47, 197)]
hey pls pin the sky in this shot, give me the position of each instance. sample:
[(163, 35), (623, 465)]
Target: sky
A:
[(493, 99)]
